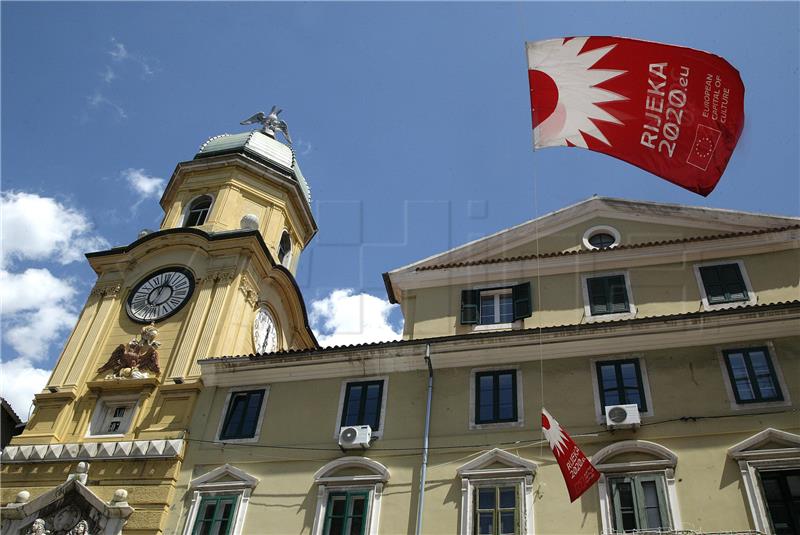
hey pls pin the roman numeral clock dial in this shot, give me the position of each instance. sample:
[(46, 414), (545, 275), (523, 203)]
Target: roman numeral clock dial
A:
[(160, 295)]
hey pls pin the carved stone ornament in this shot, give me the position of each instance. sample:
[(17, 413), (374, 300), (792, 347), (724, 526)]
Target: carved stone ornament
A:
[(135, 359), (106, 290), (224, 276), (250, 294), (38, 528)]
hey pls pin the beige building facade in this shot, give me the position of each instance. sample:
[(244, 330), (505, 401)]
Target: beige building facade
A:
[(104, 446), (664, 338)]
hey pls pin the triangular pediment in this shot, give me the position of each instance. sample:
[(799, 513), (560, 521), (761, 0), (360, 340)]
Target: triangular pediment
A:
[(637, 222), (62, 508), (497, 460), (766, 442), (225, 476)]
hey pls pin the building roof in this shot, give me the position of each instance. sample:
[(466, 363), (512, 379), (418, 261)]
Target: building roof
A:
[(261, 146), (511, 333), (606, 250), (10, 411)]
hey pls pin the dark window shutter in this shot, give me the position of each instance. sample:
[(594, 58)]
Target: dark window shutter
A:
[(521, 293), (619, 294), (469, 306), (598, 298), (733, 281)]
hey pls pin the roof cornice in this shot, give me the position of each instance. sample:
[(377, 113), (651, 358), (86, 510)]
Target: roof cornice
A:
[(623, 257), (754, 322)]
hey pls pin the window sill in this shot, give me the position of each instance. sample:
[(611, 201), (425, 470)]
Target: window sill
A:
[(761, 406), (732, 304), (497, 326), (610, 317), (109, 435), (498, 425), (237, 440)]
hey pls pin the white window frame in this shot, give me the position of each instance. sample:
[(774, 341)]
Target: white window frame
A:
[(726, 377), (601, 229), (473, 396), (664, 463), (104, 407), (185, 215), (373, 481), (516, 471), (224, 414), (376, 434), (600, 414), (752, 461), (237, 482), (587, 306), (499, 287), (752, 299), (287, 258)]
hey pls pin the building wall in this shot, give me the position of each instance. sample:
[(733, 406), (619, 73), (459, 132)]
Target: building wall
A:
[(558, 299), (685, 382)]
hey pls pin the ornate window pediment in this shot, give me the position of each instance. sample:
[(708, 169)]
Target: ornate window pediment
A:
[(346, 480), (770, 453), (497, 472), (66, 509), (223, 485)]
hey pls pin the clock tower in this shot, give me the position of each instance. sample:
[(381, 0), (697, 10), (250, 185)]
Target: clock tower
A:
[(217, 278)]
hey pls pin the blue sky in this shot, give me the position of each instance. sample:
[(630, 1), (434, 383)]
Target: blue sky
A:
[(410, 122)]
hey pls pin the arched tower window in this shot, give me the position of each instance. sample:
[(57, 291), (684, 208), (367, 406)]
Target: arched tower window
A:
[(198, 211), (285, 249)]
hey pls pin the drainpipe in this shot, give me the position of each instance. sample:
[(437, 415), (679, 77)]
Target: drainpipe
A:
[(424, 470)]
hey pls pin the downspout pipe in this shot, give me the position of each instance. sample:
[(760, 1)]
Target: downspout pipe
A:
[(424, 469)]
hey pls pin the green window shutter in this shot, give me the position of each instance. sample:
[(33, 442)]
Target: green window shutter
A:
[(619, 294), (469, 307), (731, 276), (598, 296), (523, 305)]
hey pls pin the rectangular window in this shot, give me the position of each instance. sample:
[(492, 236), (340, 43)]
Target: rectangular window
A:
[(496, 306), (496, 511), (215, 516), (241, 419), (607, 295), (113, 417), (723, 284), (496, 397), (346, 513), (362, 404), (782, 493), (752, 375), (639, 503), (620, 383)]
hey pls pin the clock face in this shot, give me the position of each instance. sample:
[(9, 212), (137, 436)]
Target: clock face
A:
[(160, 295), (265, 334)]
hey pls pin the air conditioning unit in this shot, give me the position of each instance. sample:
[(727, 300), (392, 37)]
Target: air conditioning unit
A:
[(355, 436), (622, 416)]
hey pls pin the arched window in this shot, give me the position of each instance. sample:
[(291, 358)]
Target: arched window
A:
[(198, 211), (285, 249)]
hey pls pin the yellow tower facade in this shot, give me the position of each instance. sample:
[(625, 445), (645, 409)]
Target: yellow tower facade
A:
[(106, 439)]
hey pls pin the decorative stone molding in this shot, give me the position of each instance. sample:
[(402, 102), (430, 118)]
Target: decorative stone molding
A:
[(224, 276), (136, 449), (107, 290), (250, 293)]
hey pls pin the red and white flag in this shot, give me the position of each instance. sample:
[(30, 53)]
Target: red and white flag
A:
[(673, 111), (579, 474)]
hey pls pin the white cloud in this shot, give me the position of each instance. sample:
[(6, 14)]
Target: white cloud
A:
[(143, 184), (19, 381), (108, 75), (98, 99), (118, 50), (345, 318), (41, 228), (37, 309), (119, 53)]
